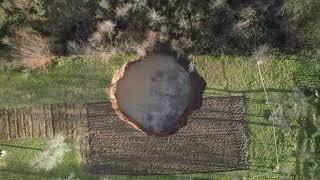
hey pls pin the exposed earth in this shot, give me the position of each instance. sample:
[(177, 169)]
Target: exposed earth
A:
[(213, 140), (155, 94)]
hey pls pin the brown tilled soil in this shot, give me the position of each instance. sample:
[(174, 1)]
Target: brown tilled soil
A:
[(43, 121), (213, 140)]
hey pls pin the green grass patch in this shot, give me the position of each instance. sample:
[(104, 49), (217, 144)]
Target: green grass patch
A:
[(283, 75), (16, 163), (239, 75), (20, 152), (69, 80), (2, 17)]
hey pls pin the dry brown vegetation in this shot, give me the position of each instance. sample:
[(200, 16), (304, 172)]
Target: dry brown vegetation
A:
[(32, 48)]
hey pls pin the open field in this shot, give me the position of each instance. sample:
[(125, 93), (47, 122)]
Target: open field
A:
[(298, 135), (297, 138), (66, 80)]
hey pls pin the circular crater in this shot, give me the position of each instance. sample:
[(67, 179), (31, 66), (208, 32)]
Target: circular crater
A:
[(154, 94)]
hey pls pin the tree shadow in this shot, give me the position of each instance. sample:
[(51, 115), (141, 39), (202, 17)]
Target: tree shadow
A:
[(20, 147), (225, 77), (252, 90), (307, 80), (304, 160), (316, 146)]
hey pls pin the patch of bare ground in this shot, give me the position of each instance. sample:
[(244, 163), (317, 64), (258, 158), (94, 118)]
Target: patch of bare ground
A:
[(213, 140)]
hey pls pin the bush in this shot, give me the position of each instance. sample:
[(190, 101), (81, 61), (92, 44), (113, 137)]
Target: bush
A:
[(51, 155), (299, 10), (32, 48)]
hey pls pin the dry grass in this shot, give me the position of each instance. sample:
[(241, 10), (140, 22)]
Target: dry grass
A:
[(261, 54), (148, 44), (21, 4), (155, 18), (181, 45), (104, 30), (30, 8), (123, 10), (99, 42), (32, 48)]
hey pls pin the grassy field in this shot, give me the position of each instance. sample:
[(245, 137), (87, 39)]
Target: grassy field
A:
[(297, 132), (16, 164), (290, 82), (68, 80)]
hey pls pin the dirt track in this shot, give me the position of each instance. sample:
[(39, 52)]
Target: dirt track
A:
[(213, 140)]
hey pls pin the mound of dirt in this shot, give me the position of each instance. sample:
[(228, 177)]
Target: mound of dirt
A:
[(155, 94)]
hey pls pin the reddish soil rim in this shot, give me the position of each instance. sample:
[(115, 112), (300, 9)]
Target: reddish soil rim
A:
[(112, 88)]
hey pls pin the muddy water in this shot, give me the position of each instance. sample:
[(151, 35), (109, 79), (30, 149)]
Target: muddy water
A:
[(154, 92)]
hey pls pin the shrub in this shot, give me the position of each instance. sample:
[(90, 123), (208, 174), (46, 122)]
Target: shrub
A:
[(104, 4), (32, 48), (51, 155), (106, 27), (300, 9), (32, 7), (155, 18), (123, 10), (261, 54), (148, 44)]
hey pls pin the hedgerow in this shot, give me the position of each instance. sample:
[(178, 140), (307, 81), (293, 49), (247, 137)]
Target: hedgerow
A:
[(189, 26)]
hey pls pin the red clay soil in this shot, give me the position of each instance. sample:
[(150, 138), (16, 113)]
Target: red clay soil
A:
[(213, 140), (187, 95)]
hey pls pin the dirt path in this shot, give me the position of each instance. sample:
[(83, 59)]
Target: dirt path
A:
[(213, 140)]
